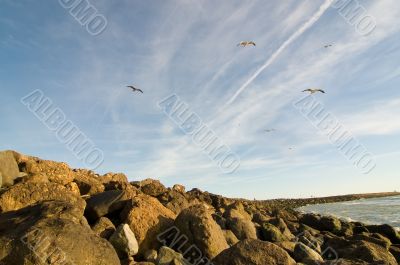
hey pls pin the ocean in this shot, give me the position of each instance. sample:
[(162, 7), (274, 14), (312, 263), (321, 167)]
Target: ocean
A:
[(384, 210)]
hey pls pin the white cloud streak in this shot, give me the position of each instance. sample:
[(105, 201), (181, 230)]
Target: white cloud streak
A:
[(308, 24)]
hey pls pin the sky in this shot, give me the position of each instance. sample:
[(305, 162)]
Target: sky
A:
[(188, 48)]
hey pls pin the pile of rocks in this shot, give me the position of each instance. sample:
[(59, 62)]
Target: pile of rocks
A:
[(52, 214)]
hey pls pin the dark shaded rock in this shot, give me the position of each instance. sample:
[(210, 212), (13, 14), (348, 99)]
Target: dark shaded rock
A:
[(104, 203), (385, 230), (331, 224), (103, 227)]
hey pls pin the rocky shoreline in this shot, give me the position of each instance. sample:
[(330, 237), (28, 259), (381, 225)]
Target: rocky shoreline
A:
[(52, 214)]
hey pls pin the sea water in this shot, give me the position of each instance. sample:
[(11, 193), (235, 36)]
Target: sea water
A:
[(384, 210)]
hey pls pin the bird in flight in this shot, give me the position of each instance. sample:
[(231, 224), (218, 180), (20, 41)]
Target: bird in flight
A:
[(135, 89), (327, 46), (246, 43), (312, 90), (269, 130)]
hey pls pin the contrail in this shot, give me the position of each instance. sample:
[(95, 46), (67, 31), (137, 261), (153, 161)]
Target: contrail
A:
[(289, 41)]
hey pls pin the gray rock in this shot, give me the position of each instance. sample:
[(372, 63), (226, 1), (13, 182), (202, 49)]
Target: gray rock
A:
[(104, 203), (124, 241), (8, 168)]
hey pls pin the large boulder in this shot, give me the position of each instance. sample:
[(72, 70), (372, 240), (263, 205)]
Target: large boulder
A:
[(57, 172), (105, 203), (242, 228), (361, 250), (331, 224), (8, 168), (51, 233), (271, 233), (237, 210), (200, 229), (25, 194), (254, 252), (304, 254), (151, 187), (387, 231), (147, 218)]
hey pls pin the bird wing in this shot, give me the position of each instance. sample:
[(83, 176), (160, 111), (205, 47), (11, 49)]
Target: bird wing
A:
[(139, 90), (306, 90), (252, 43), (322, 91)]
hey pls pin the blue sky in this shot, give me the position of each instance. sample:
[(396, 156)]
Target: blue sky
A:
[(189, 48)]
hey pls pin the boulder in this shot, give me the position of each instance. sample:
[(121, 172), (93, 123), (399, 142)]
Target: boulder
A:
[(104, 203), (57, 172), (8, 168), (230, 237), (331, 224), (25, 194), (34, 178), (88, 182), (236, 210), (53, 232), (178, 188), (200, 229), (271, 233), (147, 218), (124, 241), (103, 227), (281, 225), (242, 228), (152, 187), (387, 231), (303, 253), (254, 252), (395, 250), (176, 201), (311, 220)]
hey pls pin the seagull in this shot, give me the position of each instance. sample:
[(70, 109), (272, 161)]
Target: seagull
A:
[(327, 46), (246, 43), (312, 90), (270, 130), (135, 89)]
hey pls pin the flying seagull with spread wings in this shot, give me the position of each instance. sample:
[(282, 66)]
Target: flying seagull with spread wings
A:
[(312, 90), (135, 89), (246, 43), (269, 130)]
